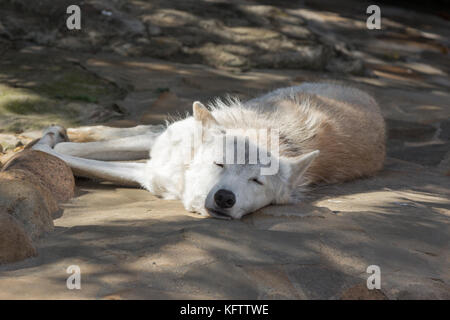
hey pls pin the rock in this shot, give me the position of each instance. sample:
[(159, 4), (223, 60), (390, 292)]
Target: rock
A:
[(3, 31), (302, 56), (125, 24), (127, 49), (409, 131), (247, 34), (153, 30), (22, 175), (31, 135), (123, 123), (427, 155), (15, 245), (297, 32), (45, 8), (170, 18), (70, 43), (360, 292), (351, 66), (166, 102), (445, 130), (221, 55), (444, 165), (53, 173), (8, 141), (23, 201), (162, 47), (31, 182)]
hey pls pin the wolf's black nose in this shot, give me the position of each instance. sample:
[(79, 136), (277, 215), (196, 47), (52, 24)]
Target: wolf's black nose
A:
[(224, 199)]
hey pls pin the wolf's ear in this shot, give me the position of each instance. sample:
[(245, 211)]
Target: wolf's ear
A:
[(294, 168), (210, 126), (201, 113)]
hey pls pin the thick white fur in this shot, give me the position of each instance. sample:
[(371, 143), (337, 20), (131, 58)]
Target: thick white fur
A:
[(344, 124)]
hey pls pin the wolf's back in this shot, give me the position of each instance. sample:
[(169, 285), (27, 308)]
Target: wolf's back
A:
[(349, 132), (343, 122)]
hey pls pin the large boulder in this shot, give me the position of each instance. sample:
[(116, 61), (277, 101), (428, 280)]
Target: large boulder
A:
[(31, 185), (24, 201), (52, 173), (22, 175), (15, 245)]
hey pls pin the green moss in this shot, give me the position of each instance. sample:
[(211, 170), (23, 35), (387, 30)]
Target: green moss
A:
[(66, 82), (38, 90), (77, 85), (22, 109), (21, 123), (22, 101), (15, 127), (162, 90), (27, 106)]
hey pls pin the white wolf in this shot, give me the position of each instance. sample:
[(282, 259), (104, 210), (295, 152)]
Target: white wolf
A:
[(326, 132)]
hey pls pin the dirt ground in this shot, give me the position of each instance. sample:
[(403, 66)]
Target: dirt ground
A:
[(138, 61)]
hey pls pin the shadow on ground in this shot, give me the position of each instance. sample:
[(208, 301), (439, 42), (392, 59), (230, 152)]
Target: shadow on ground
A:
[(151, 59)]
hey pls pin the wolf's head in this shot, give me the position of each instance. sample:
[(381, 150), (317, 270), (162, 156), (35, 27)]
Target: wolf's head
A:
[(232, 173)]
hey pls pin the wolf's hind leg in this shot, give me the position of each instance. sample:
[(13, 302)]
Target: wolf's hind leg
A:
[(126, 174), (129, 148)]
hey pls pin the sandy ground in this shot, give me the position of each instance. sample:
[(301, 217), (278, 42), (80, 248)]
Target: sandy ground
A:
[(131, 245)]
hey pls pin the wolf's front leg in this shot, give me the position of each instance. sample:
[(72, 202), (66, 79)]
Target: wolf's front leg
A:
[(129, 148), (127, 174), (111, 144)]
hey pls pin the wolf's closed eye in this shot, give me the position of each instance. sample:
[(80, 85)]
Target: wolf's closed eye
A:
[(256, 181)]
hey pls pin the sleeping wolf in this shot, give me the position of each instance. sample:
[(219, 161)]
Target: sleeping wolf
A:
[(236, 157)]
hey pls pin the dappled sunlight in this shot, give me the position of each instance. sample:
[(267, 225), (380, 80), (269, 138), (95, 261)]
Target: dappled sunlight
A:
[(145, 62), (386, 202)]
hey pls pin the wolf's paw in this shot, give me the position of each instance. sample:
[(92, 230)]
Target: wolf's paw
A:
[(54, 135)]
